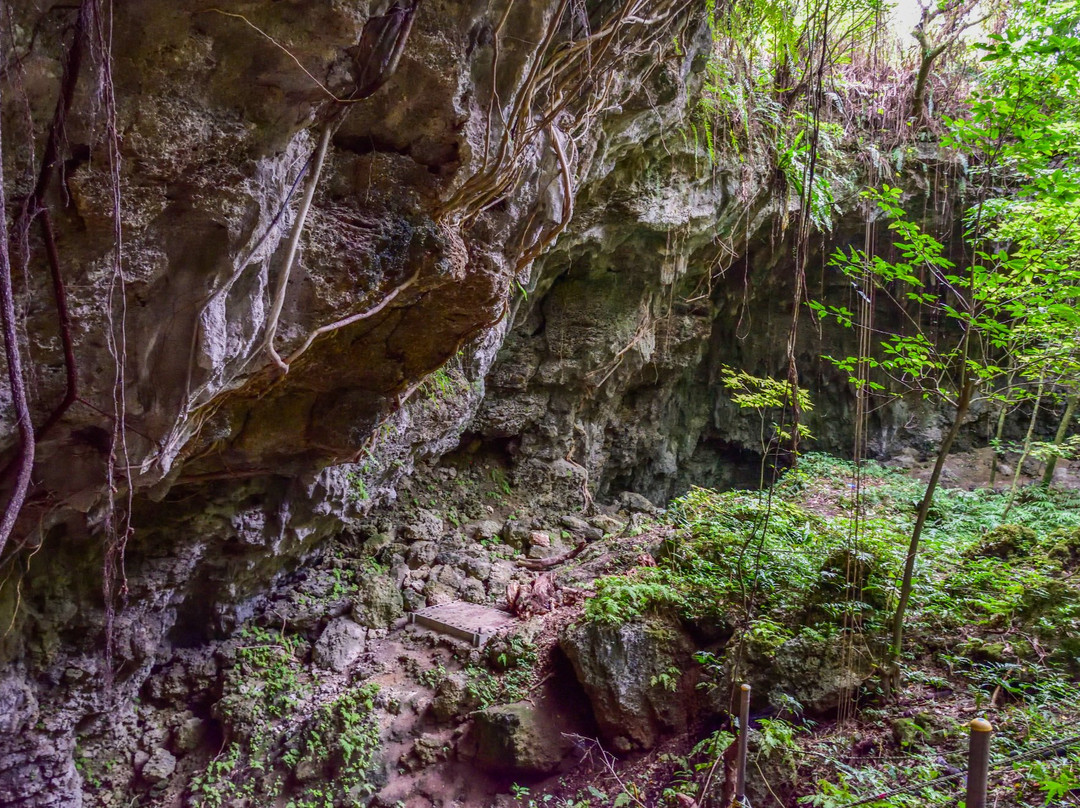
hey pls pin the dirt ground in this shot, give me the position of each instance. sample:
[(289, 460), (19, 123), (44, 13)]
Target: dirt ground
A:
[(971, 470)]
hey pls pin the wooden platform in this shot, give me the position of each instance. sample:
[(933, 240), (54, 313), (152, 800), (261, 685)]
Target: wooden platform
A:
[(465, 621)]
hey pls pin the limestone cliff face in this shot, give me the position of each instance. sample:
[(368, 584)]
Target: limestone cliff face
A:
[(673, 270), (437, 195), (514, 240)]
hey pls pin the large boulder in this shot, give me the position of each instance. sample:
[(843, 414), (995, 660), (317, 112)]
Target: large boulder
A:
[(632, 676), (813, 673), (340, 645), (377, 602), (520, 739)]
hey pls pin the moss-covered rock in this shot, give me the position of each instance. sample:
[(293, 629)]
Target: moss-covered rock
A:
[(981, 650), (453, 698), (849, 575), (907, 732), (519, 739), (377, 602), (1004, 541), (632, 674), (808, 672), (1064, 547)]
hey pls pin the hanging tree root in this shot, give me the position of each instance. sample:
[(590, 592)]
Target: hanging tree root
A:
[(558, 81), (36, 207), (377, 56), (537, 564), (294, 242), (352, 318), (33, 207), (18, 388)]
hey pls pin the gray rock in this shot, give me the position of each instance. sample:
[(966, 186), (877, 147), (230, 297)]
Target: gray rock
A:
[(378, 542), (436, 594), (452, 699), (159, 767), (377, 602), (519, 739), (392, 553), (414, 600), (454, 558), (813, 673), (139, 758), (485, 530), (427, 751), (515, 533), (579, 527), (607, 524), (502, 573), (551, 482), (478, 568), (451, 578), (188, 735), (617, 665), (636, 503), (544, 551), (422, 554), (427, 526), (340, 645), (399, 573), (18, 707), (473, 591)]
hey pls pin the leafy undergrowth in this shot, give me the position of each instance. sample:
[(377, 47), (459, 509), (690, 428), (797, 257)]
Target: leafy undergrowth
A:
[(993, 630)]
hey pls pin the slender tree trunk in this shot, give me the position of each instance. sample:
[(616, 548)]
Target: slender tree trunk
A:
[(918, 95), (1059, 438), (999, 455), (1029, 435), (892, 679)]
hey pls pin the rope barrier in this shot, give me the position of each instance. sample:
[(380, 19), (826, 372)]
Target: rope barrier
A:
[(1040, 752)]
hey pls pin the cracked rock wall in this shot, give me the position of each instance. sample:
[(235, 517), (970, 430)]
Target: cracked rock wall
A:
[(675, 269), (236, 470), (594, 367)]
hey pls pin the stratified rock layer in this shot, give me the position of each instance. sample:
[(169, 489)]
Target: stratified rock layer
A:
[(436, 195), (496, 250)]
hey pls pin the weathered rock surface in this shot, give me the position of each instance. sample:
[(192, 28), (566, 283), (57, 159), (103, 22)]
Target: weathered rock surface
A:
[(601, 377), (377, 603), (520, 739), (633, 676), (340, 645), (159, 767), (815, 674)]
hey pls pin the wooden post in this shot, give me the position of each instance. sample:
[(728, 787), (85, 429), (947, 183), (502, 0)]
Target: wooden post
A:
[(744, 736), (978, 763)]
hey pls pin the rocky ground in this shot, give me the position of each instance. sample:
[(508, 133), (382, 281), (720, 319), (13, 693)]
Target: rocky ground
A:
[(327, 696), (253, 655)]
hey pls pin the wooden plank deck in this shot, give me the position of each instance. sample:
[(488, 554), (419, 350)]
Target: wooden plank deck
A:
[(466, 621)]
